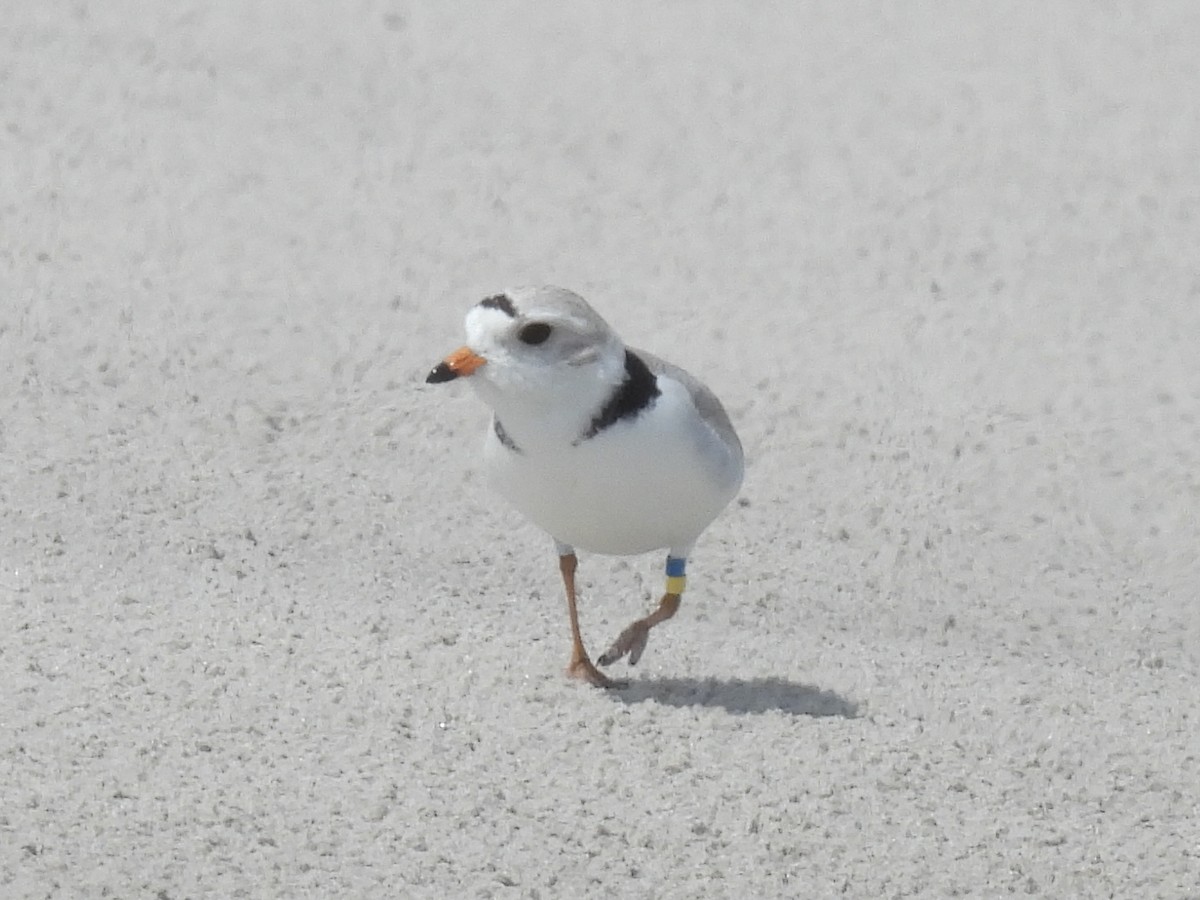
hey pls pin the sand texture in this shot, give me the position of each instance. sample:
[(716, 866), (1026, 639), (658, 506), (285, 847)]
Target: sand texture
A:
[(266, 633)]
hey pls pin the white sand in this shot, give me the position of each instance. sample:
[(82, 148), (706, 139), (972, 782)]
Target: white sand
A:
[(267, 636)]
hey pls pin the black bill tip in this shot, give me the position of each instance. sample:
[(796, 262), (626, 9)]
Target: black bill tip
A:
[(439, 373)]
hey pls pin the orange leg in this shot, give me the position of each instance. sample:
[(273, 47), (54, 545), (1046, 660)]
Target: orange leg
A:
[(579, 666), (633, 639)]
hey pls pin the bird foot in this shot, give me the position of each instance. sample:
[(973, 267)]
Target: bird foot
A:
[(631, 641), (582, 668)]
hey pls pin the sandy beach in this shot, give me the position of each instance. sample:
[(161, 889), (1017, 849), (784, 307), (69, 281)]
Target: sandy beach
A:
[(267, 633)]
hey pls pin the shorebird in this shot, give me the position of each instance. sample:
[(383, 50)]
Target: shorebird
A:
[(607, 448)]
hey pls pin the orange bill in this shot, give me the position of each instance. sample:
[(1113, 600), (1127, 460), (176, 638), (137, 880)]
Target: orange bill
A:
[(459, 364)]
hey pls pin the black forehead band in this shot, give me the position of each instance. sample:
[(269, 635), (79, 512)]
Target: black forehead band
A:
[(502, 303)]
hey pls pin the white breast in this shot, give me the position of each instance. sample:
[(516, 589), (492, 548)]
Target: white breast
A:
[(649, 482)]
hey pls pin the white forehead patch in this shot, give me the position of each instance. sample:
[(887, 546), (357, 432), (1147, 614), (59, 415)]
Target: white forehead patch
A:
[(484, 324)]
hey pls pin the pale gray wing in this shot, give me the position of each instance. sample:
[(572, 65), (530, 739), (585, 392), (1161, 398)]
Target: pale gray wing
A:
[(712, 413)]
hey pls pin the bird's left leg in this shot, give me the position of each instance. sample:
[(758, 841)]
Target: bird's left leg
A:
[(632, 640)]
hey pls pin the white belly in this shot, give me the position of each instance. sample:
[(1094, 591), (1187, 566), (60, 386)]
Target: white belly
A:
[(653, 482)]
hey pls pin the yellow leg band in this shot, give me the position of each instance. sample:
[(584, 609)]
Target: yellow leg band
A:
[(676, 584)]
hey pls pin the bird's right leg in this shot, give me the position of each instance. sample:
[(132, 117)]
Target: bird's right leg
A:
[(580, 665)]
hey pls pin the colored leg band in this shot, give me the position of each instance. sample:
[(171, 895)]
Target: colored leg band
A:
[(675, 577)]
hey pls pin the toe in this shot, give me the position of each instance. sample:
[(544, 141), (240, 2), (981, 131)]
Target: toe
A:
[(585, 671), (638, 645), (632, 641)]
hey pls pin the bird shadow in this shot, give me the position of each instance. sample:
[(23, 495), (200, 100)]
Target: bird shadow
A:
[(740, 695)]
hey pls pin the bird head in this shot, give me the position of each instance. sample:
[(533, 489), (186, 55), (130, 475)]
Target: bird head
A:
[(536, 351)]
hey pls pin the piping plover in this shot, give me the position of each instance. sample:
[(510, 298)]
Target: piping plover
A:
[(607, 448)]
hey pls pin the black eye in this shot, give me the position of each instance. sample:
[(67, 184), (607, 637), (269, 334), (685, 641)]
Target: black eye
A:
[(534, 333)]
